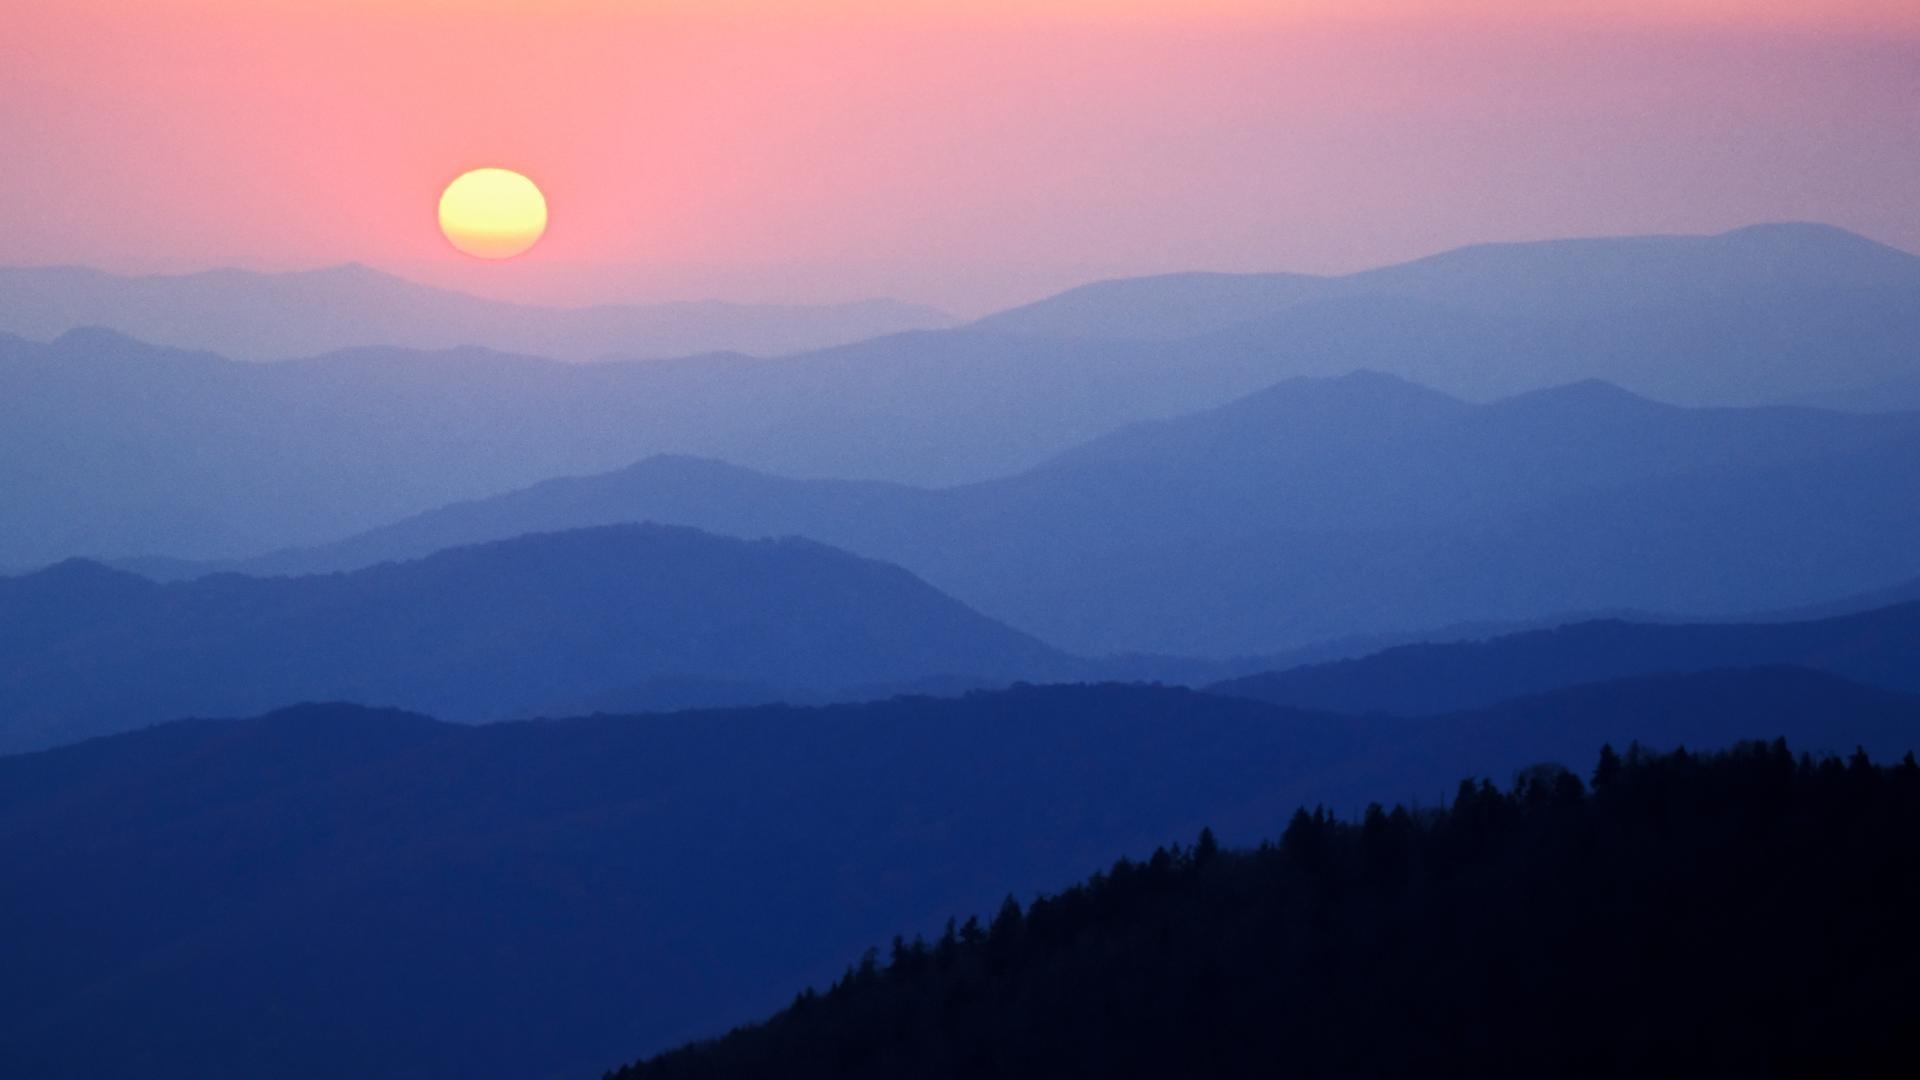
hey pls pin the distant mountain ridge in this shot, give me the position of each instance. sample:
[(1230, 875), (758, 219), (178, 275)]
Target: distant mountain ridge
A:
[(1494, 278), (99, 434), (1317, 509), (1738, 318), (95, 427), (1877, 648), (248, 315), (488, 631)]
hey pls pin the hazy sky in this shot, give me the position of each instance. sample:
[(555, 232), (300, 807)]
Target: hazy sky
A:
[(964, 152)]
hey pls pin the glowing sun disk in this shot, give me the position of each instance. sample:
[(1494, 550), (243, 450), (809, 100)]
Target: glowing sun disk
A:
[(493, 213)]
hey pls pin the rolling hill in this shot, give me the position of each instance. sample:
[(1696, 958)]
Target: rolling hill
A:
[(1610, 932), (1318, 509), (111, 449), (259, 316), (544, 899), (1878, 647), (626, 616), (1738, 318)]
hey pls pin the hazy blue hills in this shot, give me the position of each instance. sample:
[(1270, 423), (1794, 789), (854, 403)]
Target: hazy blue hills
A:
[(1162, 307), (112, 449), (1745, 317), (1318, 509), (260, 316), (546, 899), (1499, 278), (723, 498), (1892, 395), (1877, 647), (635, 616), (1649, 271)]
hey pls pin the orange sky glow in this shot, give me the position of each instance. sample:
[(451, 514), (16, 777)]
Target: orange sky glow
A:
[(963, 153)]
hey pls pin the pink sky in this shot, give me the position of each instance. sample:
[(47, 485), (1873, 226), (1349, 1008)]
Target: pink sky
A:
[(963, 153)]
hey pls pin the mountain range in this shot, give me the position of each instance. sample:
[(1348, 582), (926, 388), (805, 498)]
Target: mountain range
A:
[(331, 890), (1873, 647), (846, 565), (111, 449), (623, 616), (1486, 320), (1739, 318), (1312, 510), (248, 315)]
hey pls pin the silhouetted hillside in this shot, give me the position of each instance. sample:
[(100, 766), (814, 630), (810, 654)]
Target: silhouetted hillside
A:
[(1879, 648), (542, 899), (485, 632), (255, 316), (1744, 913), (1323, 508)]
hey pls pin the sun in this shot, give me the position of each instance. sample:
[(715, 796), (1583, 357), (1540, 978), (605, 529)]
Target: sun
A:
[(493, 213)]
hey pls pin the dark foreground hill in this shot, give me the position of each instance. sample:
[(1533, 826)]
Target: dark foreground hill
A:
[(1879, 648), (638, 615), (1740, 914), (331, 891)]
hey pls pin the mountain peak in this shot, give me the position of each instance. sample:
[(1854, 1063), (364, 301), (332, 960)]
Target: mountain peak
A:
[(685, 465), (1362, 388), (359, 273), (1158, 307), (101, 342), (1586, 394), (1827, 252), (94, 339), (1372, 380), (84, 576), (1798, 232)]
